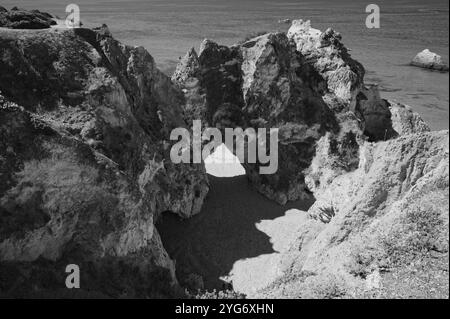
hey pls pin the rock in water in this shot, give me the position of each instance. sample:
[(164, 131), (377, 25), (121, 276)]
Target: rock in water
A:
[(330, 58), (85, 166), (429, 60)]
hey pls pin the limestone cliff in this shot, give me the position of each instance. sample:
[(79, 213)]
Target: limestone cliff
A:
[(85, 169), (380, 231), (85, 166), (379, 176), (304, 83)]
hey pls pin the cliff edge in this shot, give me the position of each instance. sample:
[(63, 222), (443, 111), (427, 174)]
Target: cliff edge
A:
[(85, 169)]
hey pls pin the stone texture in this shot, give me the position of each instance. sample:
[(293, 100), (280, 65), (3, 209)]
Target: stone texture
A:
[(85, 166), (391, 213), (22, 19), (379, 175), (85, 169), (330, 58), (304, 83), (429, 60)]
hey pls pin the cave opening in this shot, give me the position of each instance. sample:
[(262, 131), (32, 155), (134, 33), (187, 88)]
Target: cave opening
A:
[(237, 233)]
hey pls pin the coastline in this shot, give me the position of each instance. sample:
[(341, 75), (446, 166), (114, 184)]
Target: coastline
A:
[(361, 190)]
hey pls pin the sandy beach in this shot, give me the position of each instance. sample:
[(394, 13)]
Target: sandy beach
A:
[(228, 230)]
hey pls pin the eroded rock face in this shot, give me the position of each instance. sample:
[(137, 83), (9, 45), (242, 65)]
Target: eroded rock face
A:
[(330, 58), (373, 165), (22, 19), (429, 60), (260, 84), (304, 83), (375, 232), (85, 166), (405, 121)]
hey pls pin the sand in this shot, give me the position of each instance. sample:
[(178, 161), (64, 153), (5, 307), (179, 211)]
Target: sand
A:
[(236, 228)]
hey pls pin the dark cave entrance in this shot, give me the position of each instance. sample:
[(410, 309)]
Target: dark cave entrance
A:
[(236, 224)]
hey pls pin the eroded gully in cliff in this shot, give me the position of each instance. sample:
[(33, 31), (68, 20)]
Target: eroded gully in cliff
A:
[(236, 238)]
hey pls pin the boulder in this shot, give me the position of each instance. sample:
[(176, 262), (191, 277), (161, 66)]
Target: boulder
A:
[(429, 60)]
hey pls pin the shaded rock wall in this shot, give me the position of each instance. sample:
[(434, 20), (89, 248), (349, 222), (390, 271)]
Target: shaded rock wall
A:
[(85, 165)]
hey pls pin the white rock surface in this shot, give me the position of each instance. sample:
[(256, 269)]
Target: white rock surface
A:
[(429, 60)]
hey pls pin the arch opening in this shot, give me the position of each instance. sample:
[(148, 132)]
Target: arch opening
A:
[(223, 163), (236, 235)]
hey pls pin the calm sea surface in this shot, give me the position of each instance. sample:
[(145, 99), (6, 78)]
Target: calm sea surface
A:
[(168, 28)]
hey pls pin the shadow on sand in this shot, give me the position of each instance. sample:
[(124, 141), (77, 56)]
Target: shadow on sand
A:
[(224, 233)]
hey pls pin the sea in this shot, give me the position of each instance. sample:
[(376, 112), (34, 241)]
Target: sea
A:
[(168, 28)]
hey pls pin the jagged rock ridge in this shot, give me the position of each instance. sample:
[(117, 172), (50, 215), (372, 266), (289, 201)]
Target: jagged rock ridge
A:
[(378, 232), (304, 83), (85, 171), (85, 166)]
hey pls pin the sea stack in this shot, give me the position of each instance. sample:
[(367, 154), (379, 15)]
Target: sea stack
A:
[(429, 60)]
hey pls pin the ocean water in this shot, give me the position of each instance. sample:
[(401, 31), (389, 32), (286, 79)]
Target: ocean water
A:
[(168, 28)]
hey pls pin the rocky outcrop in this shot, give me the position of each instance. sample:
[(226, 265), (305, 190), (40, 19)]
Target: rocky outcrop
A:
[(85, 166), (380, 231), (343, 76), (304, 83), (85, 169), (429, 60), (261, 83), (22, 19), (405, 121), (379, 227)]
